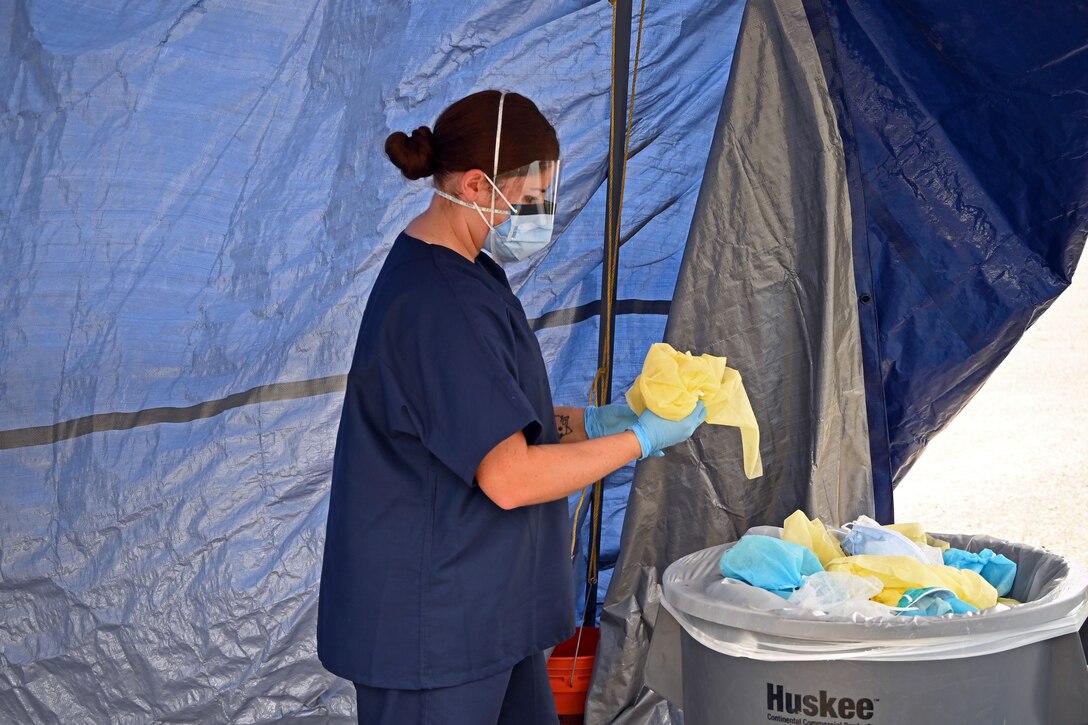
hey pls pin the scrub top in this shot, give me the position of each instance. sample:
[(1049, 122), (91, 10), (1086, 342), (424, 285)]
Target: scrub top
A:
[(425, 582)]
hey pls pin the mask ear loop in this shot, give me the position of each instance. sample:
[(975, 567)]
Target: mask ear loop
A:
[(495, 189), (495, 164)]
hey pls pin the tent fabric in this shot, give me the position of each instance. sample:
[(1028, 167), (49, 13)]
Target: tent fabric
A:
[(195, 205), (967, 178), (953, 184), (767, 280)]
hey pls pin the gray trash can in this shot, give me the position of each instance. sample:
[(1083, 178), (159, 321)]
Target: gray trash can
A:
[(725, 652)]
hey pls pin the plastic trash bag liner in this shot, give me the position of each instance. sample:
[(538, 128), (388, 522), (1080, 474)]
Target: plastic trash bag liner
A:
[(1054, 592)]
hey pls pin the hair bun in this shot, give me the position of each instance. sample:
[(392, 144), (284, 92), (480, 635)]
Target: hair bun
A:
[(414, 155)]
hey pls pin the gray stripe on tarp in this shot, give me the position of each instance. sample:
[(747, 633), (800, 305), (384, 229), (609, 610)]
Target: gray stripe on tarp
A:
[(101, 422), (573, 315)]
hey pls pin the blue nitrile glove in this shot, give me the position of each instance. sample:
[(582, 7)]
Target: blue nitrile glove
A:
[(608, 419), (654, 432)]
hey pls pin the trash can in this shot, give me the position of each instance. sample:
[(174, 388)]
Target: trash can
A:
[(725, 652)]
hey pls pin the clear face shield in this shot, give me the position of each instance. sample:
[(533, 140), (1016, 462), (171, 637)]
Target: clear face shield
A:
[(521, 217), (527, 197)]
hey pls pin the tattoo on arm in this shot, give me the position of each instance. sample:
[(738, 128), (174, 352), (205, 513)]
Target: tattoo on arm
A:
[(562, 423)]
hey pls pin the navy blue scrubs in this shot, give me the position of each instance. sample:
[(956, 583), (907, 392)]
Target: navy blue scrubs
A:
[(425, 582)]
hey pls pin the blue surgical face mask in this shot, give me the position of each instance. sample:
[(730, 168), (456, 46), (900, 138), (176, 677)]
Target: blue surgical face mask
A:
[(520, 236), (512, 242)]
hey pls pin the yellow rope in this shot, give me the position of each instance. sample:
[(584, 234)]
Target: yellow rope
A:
[(631, 107), (582, 497), (612, 235)]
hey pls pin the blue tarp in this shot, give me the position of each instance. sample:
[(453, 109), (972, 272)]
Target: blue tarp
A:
[(964, 129)]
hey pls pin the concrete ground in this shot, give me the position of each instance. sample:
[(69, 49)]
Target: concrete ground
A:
[(1014, 462)]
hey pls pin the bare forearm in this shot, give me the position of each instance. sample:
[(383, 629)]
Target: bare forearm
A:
[(536, 474), (571, 424)]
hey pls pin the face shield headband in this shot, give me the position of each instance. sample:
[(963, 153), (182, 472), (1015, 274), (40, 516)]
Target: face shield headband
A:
[(526, 197)]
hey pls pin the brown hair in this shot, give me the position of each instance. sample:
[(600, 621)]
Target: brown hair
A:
[(464, 138)]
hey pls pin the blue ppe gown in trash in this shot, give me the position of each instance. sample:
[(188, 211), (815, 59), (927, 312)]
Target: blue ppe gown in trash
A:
[(995, 568), (425, 582), (769, 563)]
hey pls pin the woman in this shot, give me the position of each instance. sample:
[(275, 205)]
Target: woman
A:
[(445, 574)]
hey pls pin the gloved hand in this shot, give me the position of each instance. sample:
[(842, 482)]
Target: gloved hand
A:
[(611, 419), (654, 432), (608, 419)]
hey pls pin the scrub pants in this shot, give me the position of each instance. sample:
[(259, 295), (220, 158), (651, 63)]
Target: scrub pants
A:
[(521, 695)]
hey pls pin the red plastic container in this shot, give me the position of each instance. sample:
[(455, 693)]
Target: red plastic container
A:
[(570, 675)]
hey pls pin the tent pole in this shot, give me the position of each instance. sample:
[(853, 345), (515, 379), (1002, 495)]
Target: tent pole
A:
[(621, 55)]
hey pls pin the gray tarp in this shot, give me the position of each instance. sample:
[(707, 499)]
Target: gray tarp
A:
[(767, 281)]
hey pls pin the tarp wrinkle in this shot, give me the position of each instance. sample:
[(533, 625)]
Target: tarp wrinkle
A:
[(196, 205)]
